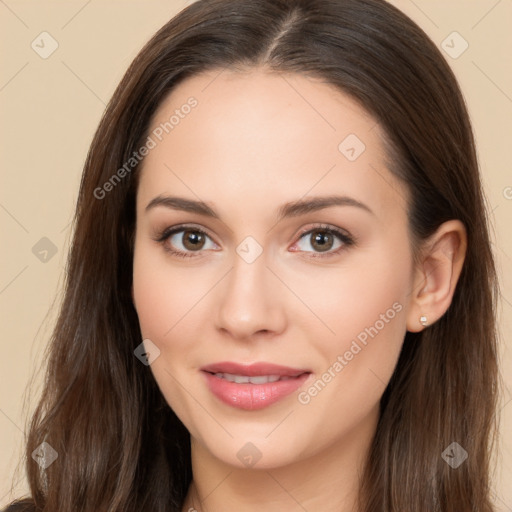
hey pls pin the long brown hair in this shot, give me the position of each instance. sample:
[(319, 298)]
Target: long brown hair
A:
[(120, 446)]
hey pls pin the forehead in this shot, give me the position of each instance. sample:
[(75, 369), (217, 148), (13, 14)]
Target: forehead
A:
[(254, 132)]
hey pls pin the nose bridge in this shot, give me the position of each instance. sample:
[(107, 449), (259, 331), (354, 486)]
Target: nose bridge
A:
[(249, 300)]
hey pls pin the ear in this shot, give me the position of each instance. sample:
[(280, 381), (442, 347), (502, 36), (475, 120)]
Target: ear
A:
[(436, 274)]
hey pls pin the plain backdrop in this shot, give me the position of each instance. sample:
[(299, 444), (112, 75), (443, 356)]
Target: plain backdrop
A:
[(50, 105)]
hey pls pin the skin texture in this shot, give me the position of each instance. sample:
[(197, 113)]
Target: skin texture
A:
[(255, 141)]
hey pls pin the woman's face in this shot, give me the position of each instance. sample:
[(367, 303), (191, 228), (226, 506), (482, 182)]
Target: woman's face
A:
[(292, 249)]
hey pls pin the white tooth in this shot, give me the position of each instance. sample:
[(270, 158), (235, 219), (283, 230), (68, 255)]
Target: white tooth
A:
[(240, 379), (260, 379), (244, 379)]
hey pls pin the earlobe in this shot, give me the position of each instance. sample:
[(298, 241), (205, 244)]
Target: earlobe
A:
[(437, 275)]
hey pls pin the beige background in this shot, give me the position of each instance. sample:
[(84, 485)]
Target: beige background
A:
[(50, 109)]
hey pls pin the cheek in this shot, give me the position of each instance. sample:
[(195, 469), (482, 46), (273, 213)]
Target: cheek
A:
[(163, 296), (154, 303), (365, 305), (163, 293), (366, 290)]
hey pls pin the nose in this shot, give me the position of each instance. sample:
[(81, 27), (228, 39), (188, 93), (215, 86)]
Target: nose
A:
[(250, 300)]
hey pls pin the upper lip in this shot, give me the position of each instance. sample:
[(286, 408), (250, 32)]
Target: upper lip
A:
[(254, 369)]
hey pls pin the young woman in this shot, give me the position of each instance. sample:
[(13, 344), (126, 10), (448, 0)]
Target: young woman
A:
[(280, 292)]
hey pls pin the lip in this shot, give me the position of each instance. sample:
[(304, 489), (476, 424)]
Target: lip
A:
[(254, 369), (250, 396)]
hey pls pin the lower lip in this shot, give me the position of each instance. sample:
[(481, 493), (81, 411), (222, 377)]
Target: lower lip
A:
[(252, 396)]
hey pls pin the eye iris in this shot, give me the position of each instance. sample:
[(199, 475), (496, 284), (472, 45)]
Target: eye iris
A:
[(323, 239), (194, 238)]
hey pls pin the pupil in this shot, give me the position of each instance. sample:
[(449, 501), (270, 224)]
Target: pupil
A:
[(193, 239), (320, 239)]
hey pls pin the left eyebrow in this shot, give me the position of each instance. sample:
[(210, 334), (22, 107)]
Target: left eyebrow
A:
[(303, 206)]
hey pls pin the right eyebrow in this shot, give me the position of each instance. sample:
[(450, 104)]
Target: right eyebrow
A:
[(180, 203)]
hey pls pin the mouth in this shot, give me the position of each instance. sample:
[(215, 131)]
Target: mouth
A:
[(255, 386), (244, 379)]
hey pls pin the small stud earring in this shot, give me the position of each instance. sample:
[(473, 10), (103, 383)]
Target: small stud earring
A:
[(423, 320)]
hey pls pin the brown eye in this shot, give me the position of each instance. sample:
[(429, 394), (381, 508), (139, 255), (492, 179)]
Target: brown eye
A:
[(193, 240), (186, 241), (321, 240), (324, 241)]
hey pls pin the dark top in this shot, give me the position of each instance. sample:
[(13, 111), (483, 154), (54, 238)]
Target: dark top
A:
[(20, 506)]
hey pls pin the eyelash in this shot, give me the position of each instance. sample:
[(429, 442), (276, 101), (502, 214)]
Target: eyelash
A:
[(347, 240)]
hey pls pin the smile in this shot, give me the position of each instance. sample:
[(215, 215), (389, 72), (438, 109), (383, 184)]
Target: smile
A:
[(244, 379), (252, 387)]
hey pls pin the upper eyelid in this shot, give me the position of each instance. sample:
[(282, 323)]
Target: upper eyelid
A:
[(326, 227), (184, 227)]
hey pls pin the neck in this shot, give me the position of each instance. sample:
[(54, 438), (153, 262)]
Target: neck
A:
[(328, 480)]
